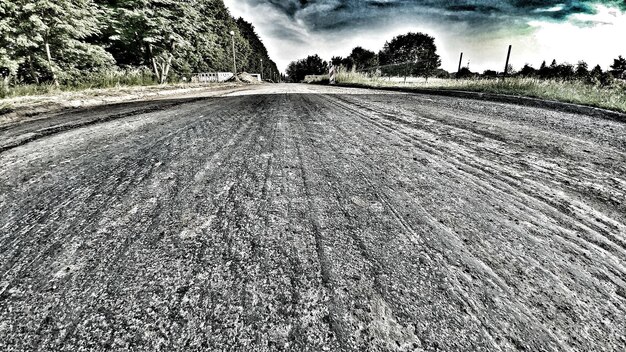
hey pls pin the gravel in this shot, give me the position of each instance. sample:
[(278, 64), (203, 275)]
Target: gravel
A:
[(315, 218)]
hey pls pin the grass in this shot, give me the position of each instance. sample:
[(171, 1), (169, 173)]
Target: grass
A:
[(104, 79), (318, 79), (5, 108), (611, 97)]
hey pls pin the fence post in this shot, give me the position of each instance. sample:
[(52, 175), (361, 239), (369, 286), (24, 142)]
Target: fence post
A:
[(331, 75), (506, 65), (459, 70)]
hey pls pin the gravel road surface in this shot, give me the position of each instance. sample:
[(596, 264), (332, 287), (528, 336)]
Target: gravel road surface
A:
[(310, 218)]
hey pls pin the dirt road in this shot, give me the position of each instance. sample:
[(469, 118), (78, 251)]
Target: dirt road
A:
[(313, 218)]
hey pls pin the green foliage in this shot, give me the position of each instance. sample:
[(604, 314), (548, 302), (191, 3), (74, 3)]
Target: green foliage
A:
[(361, 59), (611, 96), (527, 71), (157, 28), (48, 39), (70, 42), (312, 65), (338, 61), (619, 67), (114, 77), (582, 69), (410, 54), (258, 59)]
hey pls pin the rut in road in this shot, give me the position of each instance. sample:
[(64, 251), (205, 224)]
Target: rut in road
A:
[(328, 219)]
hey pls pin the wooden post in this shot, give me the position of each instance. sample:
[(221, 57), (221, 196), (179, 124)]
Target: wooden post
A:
[(506, 65), (459, 70)]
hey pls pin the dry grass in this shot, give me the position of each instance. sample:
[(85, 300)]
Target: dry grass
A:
[(92, 80), (320, 79), (612, 97)]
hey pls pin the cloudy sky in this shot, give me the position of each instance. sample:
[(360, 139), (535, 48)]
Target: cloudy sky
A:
[(594, 31)]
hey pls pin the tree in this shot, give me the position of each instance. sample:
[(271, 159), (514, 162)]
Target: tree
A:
[(528, 70), (465, 72), (490, 74), (618, 69), (564, 71), (9, 61), (543, 70), (363, 59), (157, 27), (510, 70), (596, 71), (413, 53), (311, 65), (441, 73), (53, 34), (258, 51), (66, 41), (336, 61), (582, 69), (595, 75), (345, 62), (184, 35), (549, 72)]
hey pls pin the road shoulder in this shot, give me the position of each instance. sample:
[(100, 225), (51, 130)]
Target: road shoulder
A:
[(505, 98), (47, 115)]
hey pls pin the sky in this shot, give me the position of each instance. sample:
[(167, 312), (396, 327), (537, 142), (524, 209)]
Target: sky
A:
[(568, 31)]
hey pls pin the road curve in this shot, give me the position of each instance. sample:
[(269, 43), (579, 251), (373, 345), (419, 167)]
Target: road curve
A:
[(309, 218)]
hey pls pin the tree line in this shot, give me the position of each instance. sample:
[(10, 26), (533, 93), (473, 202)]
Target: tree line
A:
[(415, 54), (560, 71), (411, 54), (66, 41)]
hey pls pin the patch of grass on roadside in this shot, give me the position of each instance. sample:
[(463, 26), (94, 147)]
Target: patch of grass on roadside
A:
[(317, 79), (102, 79), (611, 97), (5, 108)]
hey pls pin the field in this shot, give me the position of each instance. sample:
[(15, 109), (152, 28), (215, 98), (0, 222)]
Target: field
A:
[(612, 97)]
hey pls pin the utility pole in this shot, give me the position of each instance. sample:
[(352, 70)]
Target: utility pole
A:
[(506, 65), (459, 70), (261, 70), (232, 34)]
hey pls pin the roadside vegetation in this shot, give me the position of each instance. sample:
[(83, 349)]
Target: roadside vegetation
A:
[(411, 61), (90, 80), (612, 97), (59, 45)]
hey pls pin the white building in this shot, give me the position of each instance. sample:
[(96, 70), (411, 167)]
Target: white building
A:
[(256, 75), (205, 77)]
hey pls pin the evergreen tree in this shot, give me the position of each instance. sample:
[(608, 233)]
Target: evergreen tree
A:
[(258, 51), (618, 69), (582, 69)]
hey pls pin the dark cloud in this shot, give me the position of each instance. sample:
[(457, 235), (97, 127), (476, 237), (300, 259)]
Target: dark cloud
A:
[(473, 8), (289, 7), (337, 15)]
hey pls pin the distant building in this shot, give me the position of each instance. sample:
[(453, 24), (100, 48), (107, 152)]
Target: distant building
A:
[(206, 77), (256, 75)]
